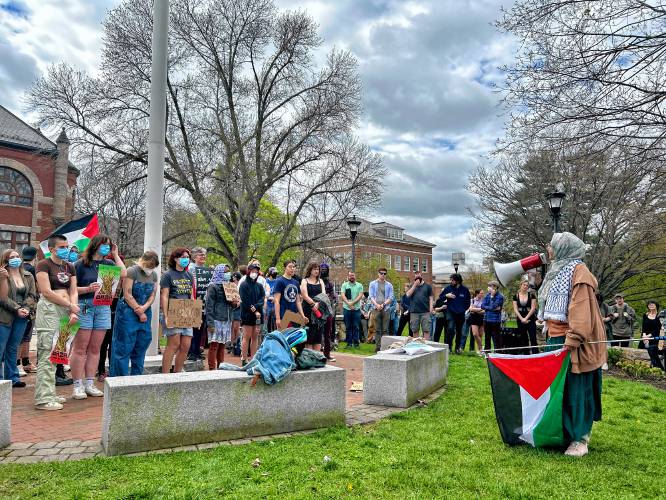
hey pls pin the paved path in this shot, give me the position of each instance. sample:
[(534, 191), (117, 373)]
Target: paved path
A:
[(75, 432)]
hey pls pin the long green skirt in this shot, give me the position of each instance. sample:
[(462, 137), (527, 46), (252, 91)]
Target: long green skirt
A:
[(582, 399)]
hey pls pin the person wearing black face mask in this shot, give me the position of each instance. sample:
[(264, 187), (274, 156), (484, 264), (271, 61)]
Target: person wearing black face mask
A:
[(252, 296)]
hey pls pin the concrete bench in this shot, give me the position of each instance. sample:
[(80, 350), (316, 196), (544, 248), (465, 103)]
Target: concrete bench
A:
[(153, 365), (387, 340), (5, 412), (150, 412), (400, 379)]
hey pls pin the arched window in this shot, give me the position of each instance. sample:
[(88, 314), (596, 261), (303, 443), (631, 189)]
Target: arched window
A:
[(15, 188)]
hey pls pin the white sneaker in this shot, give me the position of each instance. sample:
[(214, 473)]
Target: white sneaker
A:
[(576, 449), (79, 393), (21, 371), (60, 399), (93, 391), (49, 406)]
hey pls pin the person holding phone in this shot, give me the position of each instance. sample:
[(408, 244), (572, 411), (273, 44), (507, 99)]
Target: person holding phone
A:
[(421, 306)]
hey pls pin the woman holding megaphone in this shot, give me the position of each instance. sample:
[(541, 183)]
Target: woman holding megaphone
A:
[(568, 305)]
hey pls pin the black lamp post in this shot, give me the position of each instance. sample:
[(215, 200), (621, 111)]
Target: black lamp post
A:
[(455, 266), (555, 202), (353, 224)]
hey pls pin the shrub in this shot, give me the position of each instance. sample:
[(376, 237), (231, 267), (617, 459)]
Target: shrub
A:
[(614, 355), (639, 369)]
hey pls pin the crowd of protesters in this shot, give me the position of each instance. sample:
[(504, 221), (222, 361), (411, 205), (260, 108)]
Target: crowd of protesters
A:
[(34, 299)]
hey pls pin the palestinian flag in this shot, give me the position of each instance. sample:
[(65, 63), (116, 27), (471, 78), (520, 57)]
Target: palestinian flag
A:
[(527, 393), (79, 232)]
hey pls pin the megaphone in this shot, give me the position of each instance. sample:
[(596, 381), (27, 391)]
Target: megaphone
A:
[(506, 272)]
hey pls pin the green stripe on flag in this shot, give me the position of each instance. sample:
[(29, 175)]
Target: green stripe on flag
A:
[(549, 431)]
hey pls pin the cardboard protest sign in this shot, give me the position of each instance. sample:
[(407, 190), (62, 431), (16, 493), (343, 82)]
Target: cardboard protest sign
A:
[(292, 317), (62, 341), (184, 313), (108, 277), (231, 291)]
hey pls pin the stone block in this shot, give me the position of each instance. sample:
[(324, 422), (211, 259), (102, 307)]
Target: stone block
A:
[(5, 412), (400, 379), (635, 354), (387, 340), (153, 365), (150, 412)]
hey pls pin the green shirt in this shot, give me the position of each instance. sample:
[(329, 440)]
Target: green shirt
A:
[(355, 290)]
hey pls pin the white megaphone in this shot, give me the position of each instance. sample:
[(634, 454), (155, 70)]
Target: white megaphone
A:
[(506, 272)]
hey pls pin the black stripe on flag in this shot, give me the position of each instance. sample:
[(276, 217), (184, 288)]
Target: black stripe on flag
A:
[(508, 405), (73, 225)]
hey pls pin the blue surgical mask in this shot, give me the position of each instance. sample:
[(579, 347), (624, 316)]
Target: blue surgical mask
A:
[(227, 276), (62, 253), (104, 250), (73, 256), (184, 261), (14, 262)]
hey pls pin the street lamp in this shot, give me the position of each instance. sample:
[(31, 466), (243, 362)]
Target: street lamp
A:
[(555, 202), (455, 266), (353, 224)]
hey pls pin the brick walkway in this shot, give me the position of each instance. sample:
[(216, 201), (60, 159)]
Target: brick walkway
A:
[(74, 433)]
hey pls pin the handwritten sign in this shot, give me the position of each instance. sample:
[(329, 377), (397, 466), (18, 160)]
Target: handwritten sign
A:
[(292, 317), (231, 291), (184, 313)]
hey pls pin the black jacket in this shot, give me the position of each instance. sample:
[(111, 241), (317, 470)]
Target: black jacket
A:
[(217, 306)]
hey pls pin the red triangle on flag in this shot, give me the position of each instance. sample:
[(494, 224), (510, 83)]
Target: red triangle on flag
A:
[(535, 374), (92, 228)]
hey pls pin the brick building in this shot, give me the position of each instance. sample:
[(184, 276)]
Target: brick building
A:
[(37, 182), (398, 250)]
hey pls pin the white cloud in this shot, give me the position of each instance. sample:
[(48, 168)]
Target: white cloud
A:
[(428, 68)]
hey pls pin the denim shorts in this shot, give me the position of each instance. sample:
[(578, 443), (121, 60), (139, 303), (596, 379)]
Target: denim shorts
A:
[(170, 332), (93, 317)]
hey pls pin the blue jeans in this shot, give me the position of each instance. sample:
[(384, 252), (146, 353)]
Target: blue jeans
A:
[(10, 338), (352, 325)]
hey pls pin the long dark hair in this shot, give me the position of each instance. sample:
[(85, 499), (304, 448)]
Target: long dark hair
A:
[(94, 245)]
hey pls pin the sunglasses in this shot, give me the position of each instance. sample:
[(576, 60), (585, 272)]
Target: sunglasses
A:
[(383, 274)]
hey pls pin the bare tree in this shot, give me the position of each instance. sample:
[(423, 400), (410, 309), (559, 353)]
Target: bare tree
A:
[(588, 73), (251, 116), (613, 205)]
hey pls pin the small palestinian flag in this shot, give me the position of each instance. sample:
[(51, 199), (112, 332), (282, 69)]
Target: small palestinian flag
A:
[(527, 393), (79, 232)]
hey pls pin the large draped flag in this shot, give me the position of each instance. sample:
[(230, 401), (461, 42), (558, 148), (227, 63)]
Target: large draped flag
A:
[(527, 393), (78, 232)]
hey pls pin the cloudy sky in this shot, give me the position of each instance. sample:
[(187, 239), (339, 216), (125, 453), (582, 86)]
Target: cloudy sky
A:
[(427, 65)]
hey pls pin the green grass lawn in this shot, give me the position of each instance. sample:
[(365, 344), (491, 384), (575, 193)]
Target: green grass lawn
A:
[(363, 349), (451, 448)]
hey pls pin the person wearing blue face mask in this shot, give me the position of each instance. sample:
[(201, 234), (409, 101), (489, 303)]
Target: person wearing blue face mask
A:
[(15, 309), (95, 320), (219, 315), (73, 254), (176, 283), (56, 281)]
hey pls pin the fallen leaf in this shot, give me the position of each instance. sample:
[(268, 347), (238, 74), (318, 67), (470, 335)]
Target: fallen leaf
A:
[(256, 462)]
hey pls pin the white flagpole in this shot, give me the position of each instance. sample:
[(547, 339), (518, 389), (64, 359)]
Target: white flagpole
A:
[(155, 183)]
